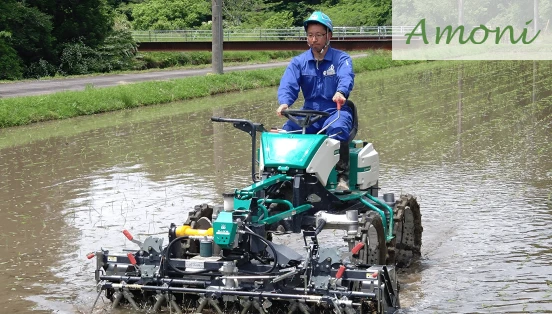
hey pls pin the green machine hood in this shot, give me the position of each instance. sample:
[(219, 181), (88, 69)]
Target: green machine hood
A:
[(289, 150)]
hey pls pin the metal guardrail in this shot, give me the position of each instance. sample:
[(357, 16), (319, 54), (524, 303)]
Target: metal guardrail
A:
[(297, 33)]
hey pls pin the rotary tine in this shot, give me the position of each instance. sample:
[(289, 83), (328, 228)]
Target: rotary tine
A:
[(202, 302), (117, 300), (293, 307), (304, 307), (174, 305), (246, 304), (258, 307), (130, 299), (159, 302)]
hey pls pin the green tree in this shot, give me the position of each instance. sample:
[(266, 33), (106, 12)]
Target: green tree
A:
[(89, 21), (299, 9), (31, 33), (117, 52), (119, 49), (115, 4), (10, 63), (170, 14), (279, 20), (342, 12), (360, 12), (27, 33), (236, 12)]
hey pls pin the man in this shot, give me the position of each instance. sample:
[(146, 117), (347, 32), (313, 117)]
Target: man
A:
[(325, 76)]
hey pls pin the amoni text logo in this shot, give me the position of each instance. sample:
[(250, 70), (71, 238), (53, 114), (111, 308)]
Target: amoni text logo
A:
[(478, 35)]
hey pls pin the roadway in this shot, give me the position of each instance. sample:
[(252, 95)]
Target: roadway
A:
[(49, 86)]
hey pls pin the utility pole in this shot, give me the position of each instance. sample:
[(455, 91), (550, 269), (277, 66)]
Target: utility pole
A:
[(216, 55)]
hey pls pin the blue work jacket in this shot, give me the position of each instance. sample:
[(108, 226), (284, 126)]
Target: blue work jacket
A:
[(318, 80)]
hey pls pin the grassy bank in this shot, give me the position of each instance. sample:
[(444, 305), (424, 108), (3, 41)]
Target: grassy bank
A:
[(26, 110)]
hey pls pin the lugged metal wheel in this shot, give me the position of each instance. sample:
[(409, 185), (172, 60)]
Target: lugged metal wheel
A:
[(373, 237), (199, 212), (408, 230)]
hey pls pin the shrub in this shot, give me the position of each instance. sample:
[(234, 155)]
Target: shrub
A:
[(10, 64), (39, 69), (116, 53)]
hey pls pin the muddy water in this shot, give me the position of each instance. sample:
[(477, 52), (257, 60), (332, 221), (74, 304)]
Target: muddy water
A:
[(471, 140)]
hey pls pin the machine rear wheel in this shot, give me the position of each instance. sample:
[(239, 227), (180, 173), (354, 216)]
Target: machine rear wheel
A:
[(197, 218), (408, 230)]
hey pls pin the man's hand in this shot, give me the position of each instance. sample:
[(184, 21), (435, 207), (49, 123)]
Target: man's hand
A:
[(279, 110), (339, 99)]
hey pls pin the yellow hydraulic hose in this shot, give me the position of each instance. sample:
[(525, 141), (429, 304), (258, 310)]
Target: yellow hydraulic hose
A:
[(188, 231)]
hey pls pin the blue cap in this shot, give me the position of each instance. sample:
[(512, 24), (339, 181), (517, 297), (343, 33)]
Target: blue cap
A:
[(321, 18)]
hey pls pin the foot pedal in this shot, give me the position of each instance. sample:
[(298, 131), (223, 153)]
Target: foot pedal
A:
[(342, 192)]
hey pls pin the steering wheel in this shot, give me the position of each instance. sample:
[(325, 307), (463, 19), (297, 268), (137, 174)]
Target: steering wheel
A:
[(303, 117)]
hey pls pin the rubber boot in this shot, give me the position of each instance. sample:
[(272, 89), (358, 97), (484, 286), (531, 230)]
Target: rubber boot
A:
[(342, 168)]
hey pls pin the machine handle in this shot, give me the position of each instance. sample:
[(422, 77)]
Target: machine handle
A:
[(340, 272), (339, 104), (128, 235), (219, 119), (251, 129), (357, 248), (131, 258)]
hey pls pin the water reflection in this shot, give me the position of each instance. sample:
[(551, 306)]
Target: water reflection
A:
[(484, 186), (460, 97), (471, 140)]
